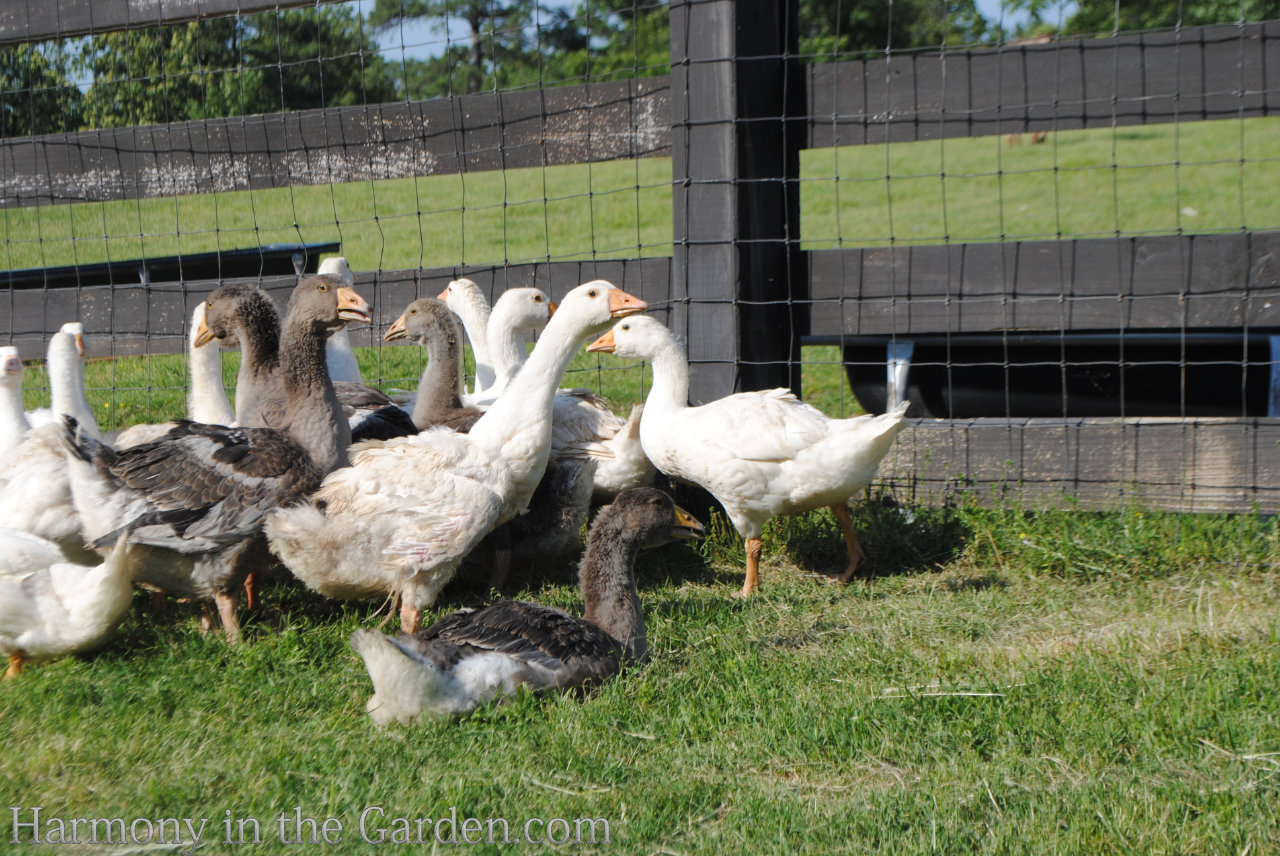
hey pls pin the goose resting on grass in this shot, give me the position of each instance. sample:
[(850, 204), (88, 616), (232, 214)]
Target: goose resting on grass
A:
[(193, 502), (63, 608), (470, 657), (402, 517), (760, 454)]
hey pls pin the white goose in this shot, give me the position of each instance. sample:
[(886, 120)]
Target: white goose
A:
[(35, 494), (62, 608), (207, 401), (66, 381), (584, 428), (422, 503), (13, 421), (21, 552), (338, 353), (761, 454), (468, 302)]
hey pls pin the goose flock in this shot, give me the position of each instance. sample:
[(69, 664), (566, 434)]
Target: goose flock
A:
[(365, 495)]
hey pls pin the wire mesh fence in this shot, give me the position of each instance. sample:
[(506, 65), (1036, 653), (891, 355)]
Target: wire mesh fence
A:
[(1052, 231)]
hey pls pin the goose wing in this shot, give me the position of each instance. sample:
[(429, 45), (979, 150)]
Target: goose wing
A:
[(208, 485)]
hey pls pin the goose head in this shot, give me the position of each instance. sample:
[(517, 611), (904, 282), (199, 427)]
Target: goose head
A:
[(523, 309), (653, 518), (69, 335), (635, 338), (422, 320), (224, 306), (591, 306), (327, 303), (338, 266), (11, 365), (461, 294)]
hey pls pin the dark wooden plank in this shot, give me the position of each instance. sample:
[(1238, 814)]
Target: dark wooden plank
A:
[(33, 22), (1162, 282), (572, 124), (1197, 73), (133, 319), (1189, 465)]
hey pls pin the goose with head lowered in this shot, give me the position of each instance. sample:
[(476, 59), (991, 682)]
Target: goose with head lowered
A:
[(193, 503), (402, 517), (760, 454), (470, 657)]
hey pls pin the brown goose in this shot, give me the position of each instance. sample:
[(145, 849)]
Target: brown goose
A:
[(470, 657), (194, 501), (428, 322)]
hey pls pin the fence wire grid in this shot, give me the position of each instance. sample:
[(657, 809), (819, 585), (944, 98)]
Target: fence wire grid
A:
[(1054, 231)]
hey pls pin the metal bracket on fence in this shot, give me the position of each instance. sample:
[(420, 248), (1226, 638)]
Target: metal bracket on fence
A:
[(899, 365), (1273, 400)]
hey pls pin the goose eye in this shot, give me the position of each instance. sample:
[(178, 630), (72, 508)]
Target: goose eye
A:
[(537, 298), (324, 286), (592, 293), (413, 312), (626, 326)]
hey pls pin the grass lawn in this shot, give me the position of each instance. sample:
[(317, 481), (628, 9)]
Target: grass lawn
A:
[(1059, 682), (1055, 681)]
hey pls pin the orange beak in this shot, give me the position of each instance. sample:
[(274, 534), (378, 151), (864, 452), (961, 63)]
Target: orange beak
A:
[(444, 295), (203, 334), (551, 308), (396, 330), (687, 527), (603, 345), (79, 337), (622, 304), (353, 307)]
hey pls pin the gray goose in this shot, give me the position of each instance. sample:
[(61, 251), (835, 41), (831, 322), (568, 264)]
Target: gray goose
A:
[(371, 415), (194, 501), (428, 322), (470, 657)]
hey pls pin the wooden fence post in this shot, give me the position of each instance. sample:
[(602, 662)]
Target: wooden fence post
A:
[(739, 281)]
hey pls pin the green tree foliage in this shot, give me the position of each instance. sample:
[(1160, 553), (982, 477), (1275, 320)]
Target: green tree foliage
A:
[(316, 57), (36, 92), (831, 28), (292, 60)]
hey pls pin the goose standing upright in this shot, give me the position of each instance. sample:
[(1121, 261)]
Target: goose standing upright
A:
[(422, 503), (207, 400), (13, 420), (760, 454), (468, 302), (35, 494), (470, 657), (193, 502), (428, 322), (584, 428), (341, 357), (66, 381)]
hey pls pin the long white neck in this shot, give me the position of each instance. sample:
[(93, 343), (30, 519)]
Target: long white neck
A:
[(517, 426), (13, 421), (506, 346), (670, 390), (66, 383), (341, 358), (475, 320), (207, 401)]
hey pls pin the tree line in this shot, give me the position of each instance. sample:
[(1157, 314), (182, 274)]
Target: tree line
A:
[(328, 56)]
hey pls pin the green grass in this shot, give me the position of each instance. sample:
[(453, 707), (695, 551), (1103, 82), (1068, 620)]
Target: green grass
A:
[(1158, 179), (1010, 683)]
